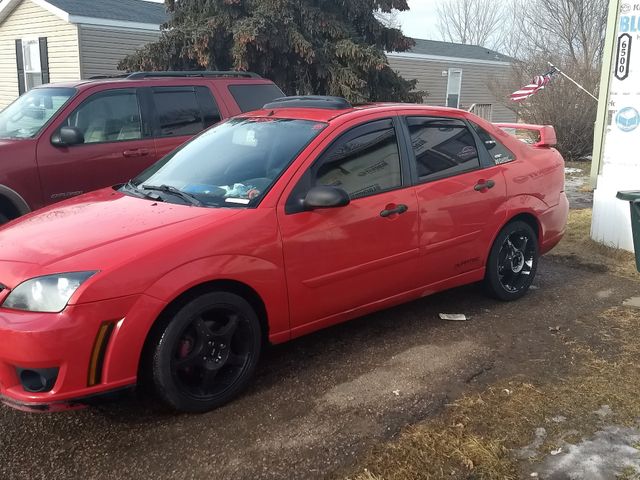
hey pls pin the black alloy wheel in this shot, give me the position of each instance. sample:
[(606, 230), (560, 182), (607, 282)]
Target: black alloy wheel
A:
[(207, 353), (513, 262)]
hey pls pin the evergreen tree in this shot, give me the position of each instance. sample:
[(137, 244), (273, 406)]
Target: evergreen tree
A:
[(324, 47)]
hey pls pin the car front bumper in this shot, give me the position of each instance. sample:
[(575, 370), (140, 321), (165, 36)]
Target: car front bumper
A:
[(93, 348)]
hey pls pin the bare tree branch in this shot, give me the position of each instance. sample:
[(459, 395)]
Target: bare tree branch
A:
[(473, 22), (570, 34)]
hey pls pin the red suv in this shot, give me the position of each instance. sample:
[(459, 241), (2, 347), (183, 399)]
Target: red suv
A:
[(267, 227), (58, 141)]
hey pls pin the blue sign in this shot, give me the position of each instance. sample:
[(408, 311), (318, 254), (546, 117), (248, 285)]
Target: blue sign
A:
[(628, 119)]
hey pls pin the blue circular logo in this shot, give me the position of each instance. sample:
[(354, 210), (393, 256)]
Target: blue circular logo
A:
[(628, 119)]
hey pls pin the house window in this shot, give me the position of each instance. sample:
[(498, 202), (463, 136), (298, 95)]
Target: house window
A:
[(32, 60), (454, 86), (32, 67)]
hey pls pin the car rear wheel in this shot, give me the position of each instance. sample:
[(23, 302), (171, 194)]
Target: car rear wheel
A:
[(207, 353), (513, 262)]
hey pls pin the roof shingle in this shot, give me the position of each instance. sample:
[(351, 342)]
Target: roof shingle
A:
[(457, 50), (138, 11)]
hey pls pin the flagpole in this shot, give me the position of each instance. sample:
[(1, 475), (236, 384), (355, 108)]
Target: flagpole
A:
[(573, 81)]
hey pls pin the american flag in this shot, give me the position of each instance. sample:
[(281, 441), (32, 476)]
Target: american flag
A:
[(538, 83)]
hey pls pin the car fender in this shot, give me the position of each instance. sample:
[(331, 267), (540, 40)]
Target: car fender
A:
[(523, 204), (262, 276)]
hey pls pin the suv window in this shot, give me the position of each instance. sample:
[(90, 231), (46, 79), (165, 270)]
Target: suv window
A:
[(363, 162), (443, 147), (498, 152), (110, 116), (254, 97), (179, 113)]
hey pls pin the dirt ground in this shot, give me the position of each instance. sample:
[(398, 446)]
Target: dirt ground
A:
[(345, 401), (577, 185)]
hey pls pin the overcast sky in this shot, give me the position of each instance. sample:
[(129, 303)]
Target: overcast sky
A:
[(420, 21)]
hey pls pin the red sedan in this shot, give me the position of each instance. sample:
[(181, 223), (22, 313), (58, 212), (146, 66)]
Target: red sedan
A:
[(264, 228)]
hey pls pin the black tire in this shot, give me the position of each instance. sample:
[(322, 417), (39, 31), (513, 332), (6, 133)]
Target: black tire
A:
[(206, 353), (513, 262)]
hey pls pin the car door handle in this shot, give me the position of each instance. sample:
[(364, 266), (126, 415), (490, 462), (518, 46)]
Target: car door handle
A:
[(139, 152), (399, 210), (482, 185)]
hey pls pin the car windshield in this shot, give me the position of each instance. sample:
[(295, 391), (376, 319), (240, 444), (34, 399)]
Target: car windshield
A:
[(232, 164), (25, 117)]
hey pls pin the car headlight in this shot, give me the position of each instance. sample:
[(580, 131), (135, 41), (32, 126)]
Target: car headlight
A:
[(49, 293)]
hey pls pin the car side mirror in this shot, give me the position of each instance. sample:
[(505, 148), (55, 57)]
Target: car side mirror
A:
[(67, 136), (326, 197)]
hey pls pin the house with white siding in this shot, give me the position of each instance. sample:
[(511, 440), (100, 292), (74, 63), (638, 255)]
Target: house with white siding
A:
[(44, 41), (457, 75)]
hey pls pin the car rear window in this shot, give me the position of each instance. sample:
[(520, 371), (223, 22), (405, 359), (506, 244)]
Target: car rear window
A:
[(184, 110), (442, 147), (499, 153), (253, 97)]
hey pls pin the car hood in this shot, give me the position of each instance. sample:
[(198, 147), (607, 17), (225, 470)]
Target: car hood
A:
[(7, 142), (91, 223)]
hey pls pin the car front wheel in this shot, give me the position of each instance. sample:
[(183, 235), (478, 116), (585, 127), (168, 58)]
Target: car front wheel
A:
[(207, 353), (513, 262)]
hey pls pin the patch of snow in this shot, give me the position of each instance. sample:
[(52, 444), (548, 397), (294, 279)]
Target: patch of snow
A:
[(572, 171), (602, 457)]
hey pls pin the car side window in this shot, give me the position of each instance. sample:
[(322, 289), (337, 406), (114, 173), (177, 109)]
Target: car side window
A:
[(179, 110), (254, 97), (363, 161), (443, 147), (210, 111), (110, 116), (498, 152)]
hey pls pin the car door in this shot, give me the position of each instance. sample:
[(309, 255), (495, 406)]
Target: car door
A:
[(116, 146), (179, 113), (342, 259), (461, 192)]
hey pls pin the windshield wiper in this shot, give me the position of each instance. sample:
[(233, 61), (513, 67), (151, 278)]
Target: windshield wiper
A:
[(133, 188), (175, 191)]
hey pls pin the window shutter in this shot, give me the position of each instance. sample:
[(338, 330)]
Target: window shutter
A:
[(44, 59), (20, 65)]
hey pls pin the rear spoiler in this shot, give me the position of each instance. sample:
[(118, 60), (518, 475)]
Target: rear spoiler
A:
[(546, 133)]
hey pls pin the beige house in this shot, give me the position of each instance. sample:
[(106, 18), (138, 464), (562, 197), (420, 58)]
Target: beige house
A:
[(457, 75), (44, 41)]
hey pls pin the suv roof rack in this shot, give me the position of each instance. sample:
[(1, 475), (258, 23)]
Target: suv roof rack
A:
[(194, 73), (310, 101), (102, 77)]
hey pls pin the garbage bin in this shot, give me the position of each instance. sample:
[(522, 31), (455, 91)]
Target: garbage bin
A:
[(633, 197)]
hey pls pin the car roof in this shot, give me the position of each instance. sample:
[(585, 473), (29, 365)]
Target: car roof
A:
[(124, 81), (328, 115)]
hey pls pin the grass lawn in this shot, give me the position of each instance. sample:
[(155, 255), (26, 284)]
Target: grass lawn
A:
[(479, 435)]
